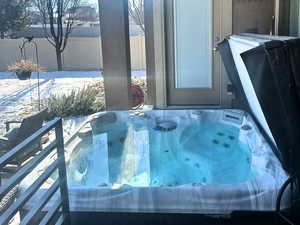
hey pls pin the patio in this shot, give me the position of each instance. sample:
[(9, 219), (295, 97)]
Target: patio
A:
[(219, 125)]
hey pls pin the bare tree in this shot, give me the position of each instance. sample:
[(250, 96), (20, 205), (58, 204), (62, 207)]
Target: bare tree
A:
[(58, 20), (136, 11)]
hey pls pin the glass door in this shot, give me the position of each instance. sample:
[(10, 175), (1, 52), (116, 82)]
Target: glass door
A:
[(193, 64)]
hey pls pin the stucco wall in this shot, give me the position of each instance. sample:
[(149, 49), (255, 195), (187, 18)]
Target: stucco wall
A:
[(80, 54), (253, 14)]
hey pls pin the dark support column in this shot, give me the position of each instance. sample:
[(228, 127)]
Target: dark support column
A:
[(150, 59), (284, 18), (116, 53)]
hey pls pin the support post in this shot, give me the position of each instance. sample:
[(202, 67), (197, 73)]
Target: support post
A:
[(150, 52), (282, 17), (114, 26)]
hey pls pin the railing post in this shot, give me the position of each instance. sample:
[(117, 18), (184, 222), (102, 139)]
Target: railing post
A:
[(62, 173)]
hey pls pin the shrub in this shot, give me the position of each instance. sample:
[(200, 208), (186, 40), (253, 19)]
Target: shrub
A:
[(77, 103)]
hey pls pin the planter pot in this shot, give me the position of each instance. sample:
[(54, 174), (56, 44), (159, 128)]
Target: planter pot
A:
[(22, 75), (137, 96)]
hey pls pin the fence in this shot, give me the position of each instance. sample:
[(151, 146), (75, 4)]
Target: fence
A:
[(80, 54)]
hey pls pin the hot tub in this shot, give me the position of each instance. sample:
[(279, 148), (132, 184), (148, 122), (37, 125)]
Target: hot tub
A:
[(189, 161), (194, 161)]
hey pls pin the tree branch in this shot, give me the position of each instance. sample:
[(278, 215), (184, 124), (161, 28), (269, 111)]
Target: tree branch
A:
[(136, 11)]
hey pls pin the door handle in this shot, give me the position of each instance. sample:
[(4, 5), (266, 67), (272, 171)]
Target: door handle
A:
[(217, 40), (216, 49)]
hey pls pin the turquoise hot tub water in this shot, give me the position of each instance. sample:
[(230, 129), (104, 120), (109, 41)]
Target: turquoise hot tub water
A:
[(136, 153)]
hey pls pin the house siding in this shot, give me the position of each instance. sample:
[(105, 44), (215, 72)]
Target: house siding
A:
[(253, 16)]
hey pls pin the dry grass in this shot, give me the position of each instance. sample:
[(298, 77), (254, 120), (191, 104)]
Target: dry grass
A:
[(83, 102), (24, 66), (77, 103)]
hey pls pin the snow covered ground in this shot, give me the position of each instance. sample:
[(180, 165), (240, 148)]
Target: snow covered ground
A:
[(19, 98)]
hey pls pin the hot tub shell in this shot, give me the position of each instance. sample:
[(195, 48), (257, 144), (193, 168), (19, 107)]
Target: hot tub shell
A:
[(256, 194)]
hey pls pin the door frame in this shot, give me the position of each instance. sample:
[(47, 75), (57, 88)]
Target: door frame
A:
[(187, 96), (158, 43)]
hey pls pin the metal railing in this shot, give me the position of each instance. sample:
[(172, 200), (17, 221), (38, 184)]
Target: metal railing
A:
[(60, 209), (293, 184)]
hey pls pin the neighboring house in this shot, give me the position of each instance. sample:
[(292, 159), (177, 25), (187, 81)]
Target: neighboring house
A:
[(86, 13), (36, 18)]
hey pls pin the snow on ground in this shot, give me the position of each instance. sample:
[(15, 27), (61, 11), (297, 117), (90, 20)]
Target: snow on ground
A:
[(19, 98)]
